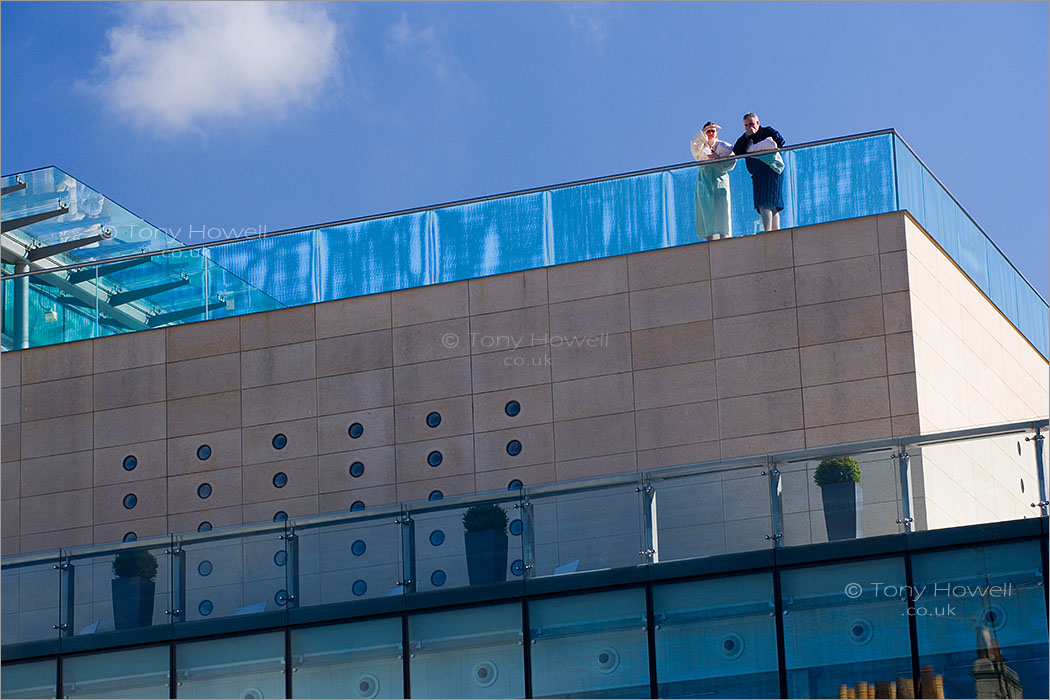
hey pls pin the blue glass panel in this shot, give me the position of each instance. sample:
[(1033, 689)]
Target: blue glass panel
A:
[(232, 666), (1031, 315), (941, 215), (1002, 281), (35, 679), (356, 660), (909, 182), (282, 265), (972, 254), (486, 238), (841, 180), (131, 673)]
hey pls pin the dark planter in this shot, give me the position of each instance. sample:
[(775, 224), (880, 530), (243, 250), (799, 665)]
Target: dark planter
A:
[(133, 602), (486, 556), (843, 510)]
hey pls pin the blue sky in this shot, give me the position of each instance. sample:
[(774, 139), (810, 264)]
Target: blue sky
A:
[(280, 116)]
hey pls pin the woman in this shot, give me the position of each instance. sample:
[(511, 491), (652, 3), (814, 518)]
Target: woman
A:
[(712, 183)]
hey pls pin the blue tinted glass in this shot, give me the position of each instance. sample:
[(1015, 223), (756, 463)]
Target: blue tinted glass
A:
[(280, 480), (433, 419), (358, 547), (515, 527), (205, 608), (203, 452), (280, 516), (438, 578), (204, 490), (434, 458), (437, 538), (512, 408), (128, 673), (130, 500), (130, 537), (251, 664), (356, 660), (35, 679), (435, 496), (513, 448), (357, 505), (515, 485), (357, 469), (359, 588), (279, 441), (204, 568), (204, 526), (130, 462), (280, 557), (356, 430)]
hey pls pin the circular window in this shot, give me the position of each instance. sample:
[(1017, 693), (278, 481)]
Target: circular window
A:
[(357, 505), (205, 608), (367, 686), (515, 485), (205, 526), (357, 469), (435, 496), (438, 578), (280, 441), (433, 419), (731, 646), (356, 430), (204, 568), (514, 448), (203, 452), (130, 537), (204, 490), (607, 660), (485, 674), (358, 547), (280, 516), (434, 458), (280, 597), (517, 567), (860, 631), (359, 587), (280, 480), (130, 500), (512, 408), (437, 538), (995, 617), (130, 462), (280, 557), (515, 527)]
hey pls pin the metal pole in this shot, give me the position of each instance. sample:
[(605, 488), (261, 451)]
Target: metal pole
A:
[(20, 332), (907, 507), (528, 536), (650, 538), (178, 583), (67, 597), (408, 552), (1040, 470), (291, 550), (776, 488)]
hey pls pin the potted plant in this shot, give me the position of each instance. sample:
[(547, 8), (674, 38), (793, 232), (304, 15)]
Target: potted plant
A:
[(133, 588), (485, 540), (839, 482)]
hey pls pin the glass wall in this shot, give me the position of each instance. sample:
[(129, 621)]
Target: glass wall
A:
[(249, 666), (35, 679), (355, 660), (134, 673)]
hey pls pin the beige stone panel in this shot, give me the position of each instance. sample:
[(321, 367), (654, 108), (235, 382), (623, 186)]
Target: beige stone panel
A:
[(537, 447), (840, 320), (840, 240), (39, 512), (843, 361), (904, 398), (426, 381), (334, 431), (130, 387), (56, 539), (438, 340), (338, 501), (11, 442), (891, 231), (355, 391), (900, 353), (612, 355), (894, 268), (278, 364), (846, 402), (9, 546), (449, 486), (593, 437), (505, 330), (11, 405), (849, 432), (354, 353), (11, 480), (226, 485), (62, 397), (280, 327), (218, 517), (108, 463), (66, 472), (676, 384), (295, 508), (144, 527), (751, 294), (56, 361), (203, 414), (758, 374), (153, 501), (494, 371), (775, 412), (666, 306), (511, 291), (205, 375), (281, 402), (596, 466), (410, 420), (490, 408), (54, 436), (677, 425), (257, 480), (355, 315), (763, 444), (679, 454), (667, 266), (333, 470), (590, 317), (129, 350), (11, 369), (754, 333), (457, 457), (750, 254), (593, 396), (838, 280), (182, 452), (195, 340), (257, 441), (529, 475), (431, 303), (10, 515), (672, 345), (590, 278)]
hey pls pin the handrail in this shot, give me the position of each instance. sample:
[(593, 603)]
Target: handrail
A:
[(502, 495)]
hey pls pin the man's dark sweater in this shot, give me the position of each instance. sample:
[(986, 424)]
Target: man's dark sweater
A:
[(763, 133)]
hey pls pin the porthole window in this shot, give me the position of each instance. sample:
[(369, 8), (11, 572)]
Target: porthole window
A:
[(280, 597), (359, 587), (130, 462), (860, 631), (204, 490), (512, 408), (205, 526), (356, 430), (280, 480), (130, 500), (203, 452), (437, 538), (438, 578), (205, 608), (515, 485), (517, 567), (995, 617), (515, 527), (280, 516), (204, 568), (607, 660), (130, 537), (514, 448), (731, 646), (434, 458), (280, 557), (433, 419), (358, 547), (357, 469), (435, 496), (280, 441), (357, 505)]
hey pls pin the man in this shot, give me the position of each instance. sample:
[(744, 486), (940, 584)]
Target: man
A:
[(766, 178)]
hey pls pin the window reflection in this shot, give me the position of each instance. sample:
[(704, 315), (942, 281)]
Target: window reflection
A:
[(250, 666), (356, 660), (135, 673)]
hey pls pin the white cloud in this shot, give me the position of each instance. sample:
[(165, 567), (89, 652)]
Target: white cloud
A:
[(173, 67), (590, 19), (403, 39)]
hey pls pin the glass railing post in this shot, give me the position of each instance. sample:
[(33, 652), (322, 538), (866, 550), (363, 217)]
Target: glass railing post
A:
[(1040, 470), (21, 308), (408, 552), (776, 490), (291, 568), (528, 536), (177, 612), (67, 596), (907, 518), (650, 539)]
